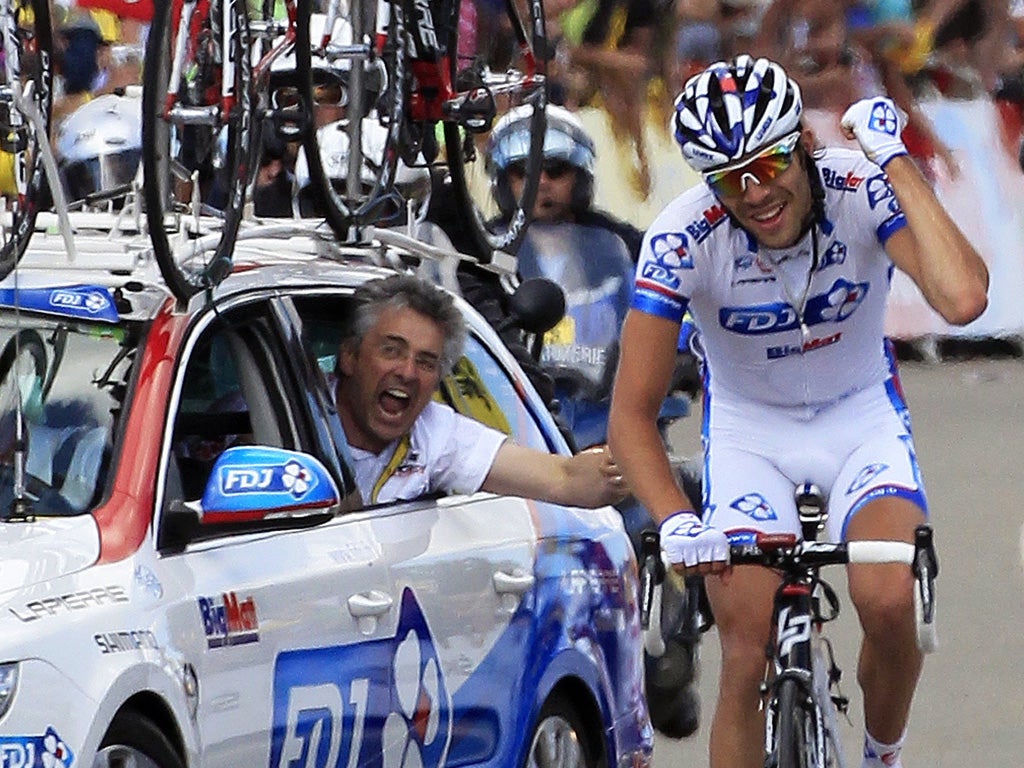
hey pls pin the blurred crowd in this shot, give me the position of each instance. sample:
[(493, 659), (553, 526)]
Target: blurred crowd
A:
[(630, 57)]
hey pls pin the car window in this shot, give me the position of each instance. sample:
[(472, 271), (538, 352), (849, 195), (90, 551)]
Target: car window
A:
[(487, 387), (61, 388), (233, 392), (478, 387)]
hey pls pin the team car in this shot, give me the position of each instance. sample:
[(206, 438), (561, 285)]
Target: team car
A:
[(189, 577)]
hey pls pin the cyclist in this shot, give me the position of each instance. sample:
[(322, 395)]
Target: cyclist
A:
[(591, 255), (783, 256)]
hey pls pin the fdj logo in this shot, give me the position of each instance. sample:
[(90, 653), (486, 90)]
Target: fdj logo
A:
[(767, 318), (292, 478), (91, 301), (239, 480)]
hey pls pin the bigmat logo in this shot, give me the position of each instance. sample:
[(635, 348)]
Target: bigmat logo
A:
[(228, 621)]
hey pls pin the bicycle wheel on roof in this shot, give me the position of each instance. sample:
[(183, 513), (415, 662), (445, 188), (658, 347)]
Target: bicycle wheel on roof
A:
[(198, 134), (353, 84), (25, 100), (499, 80)]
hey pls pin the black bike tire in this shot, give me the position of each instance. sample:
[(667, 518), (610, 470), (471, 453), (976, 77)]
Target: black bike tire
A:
[(25, 210), (791, 726), (184, 282), (340, 213), (506, 232)]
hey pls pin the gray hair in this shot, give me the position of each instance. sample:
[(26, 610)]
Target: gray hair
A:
[(372, 299)]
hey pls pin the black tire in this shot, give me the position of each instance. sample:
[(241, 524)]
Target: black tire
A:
[(35, 47), (560, 739), (795, 727), (173, 151), (381, 103), (516, 78), (134, 740)]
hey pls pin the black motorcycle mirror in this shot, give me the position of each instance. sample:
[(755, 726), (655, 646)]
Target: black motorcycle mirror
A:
[(537, 306)]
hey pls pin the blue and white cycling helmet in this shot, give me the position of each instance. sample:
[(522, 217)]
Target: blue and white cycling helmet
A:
[(733, 109)]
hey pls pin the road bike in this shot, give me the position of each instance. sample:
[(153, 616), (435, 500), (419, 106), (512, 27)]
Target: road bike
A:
[(25, 99), (209, 89), (801, 693)]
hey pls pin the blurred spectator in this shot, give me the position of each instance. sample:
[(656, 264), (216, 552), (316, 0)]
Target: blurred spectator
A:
[(616, 50), (698, 38), (274, 185), (842, 52), (96, 53)]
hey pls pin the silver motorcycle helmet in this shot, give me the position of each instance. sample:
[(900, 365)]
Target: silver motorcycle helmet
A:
[(99, 146)]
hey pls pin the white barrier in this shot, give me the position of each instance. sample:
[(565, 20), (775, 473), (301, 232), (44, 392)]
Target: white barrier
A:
[(986, 200)]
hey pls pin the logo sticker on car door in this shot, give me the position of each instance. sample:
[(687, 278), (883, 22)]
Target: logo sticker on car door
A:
[(379, 703)]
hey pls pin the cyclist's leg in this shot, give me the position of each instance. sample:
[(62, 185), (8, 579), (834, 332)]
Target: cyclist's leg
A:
[(878, 495), (746, 493)]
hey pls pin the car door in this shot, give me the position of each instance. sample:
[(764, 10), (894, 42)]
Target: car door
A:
[(261, 610), (459, 568)]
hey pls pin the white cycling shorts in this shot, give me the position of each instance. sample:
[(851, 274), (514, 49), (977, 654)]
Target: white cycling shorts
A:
[(855, 450)]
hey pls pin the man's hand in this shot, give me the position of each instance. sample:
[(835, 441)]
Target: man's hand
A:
[(689, 543), (876, 124), (608, 487)]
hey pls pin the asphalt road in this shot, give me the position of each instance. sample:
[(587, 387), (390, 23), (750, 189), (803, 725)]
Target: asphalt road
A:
[(968, 420)]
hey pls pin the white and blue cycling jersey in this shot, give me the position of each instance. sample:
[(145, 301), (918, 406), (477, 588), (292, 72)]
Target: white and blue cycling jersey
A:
[(746, 299), (800, 382)]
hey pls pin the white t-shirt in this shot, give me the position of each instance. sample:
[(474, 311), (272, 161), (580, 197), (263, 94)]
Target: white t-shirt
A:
[(775, 330), (445, 451)]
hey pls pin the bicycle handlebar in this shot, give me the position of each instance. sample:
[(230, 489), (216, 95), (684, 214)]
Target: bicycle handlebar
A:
[(786, 552)]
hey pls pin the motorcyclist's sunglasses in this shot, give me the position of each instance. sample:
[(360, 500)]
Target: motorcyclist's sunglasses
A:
[(552, 166), (763, 168)]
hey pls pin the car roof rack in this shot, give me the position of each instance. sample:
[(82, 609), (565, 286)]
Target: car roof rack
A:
[(115, 242)]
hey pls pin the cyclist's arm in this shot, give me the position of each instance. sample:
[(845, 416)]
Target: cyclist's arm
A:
[(647, 358), (933, 251)]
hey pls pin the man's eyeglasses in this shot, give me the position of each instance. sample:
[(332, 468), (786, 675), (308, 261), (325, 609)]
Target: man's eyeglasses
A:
[(553, 167), (731, 180), (324, 94)]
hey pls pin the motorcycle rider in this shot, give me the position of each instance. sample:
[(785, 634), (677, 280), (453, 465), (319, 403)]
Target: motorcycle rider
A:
[(591, 255)]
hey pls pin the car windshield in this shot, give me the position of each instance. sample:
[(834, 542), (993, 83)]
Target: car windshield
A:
[(61, 382)]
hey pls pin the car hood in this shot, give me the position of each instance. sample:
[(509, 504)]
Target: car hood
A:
[(40, 551)]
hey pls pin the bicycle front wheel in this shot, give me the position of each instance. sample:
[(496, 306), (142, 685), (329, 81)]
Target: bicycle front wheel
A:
[(797, 743), (503, 81), (197, 137), (28, 75)]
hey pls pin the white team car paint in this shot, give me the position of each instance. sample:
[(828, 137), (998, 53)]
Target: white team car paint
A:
[(189, 578)]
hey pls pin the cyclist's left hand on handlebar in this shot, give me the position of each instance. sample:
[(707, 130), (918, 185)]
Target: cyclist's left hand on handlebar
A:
[(689, 543), (876, 124)]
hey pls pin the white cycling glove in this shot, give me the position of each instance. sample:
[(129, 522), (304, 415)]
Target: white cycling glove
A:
[(684, 539), (877, 124)]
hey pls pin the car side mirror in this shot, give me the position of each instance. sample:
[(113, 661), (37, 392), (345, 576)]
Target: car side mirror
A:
[(250, 484), (257, 482)]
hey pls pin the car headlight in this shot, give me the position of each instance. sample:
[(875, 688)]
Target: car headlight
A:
[(8, 685)]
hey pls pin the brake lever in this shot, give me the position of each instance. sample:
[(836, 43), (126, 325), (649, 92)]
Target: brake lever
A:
[(652, 573)]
